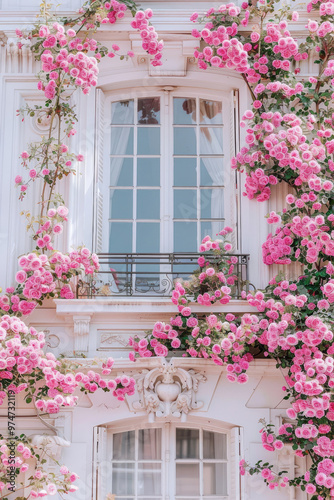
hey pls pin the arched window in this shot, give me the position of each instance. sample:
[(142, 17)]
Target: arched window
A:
[(174, 461), (164, 180)]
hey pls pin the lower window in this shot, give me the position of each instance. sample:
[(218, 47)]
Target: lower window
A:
[(168, 461)]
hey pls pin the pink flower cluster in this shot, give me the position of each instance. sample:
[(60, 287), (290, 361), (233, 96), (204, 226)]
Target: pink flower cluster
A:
[(287, 146), (59, 162), (40, 275), (216, 337), (23, 361), (124, 386), (110, 12), (41, 481), (258, 184), (65, 54), (276, 87), (51, 227), (315, 236), (222, 49), (148, 35), (43, 276), (325, 27)]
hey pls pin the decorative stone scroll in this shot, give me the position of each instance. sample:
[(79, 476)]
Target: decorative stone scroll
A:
[(81, 332), (168, 390)]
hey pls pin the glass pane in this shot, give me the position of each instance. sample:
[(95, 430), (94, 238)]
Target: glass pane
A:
[(121, 142), (123, 479), (149, 479), (121, 204), (148, 237), (122, 112), (184, 141), (212, 203), (212, 171), (187, 443), (149, 444), (121, 172), (214, 445), (185, 269), (148, 141), (124, 445), (185, 204), (148, 172), (211, 141), (185, 172), (187, 479), (211, 228), (210, 112), (149, 111), (120, 237), (185, 237), (215, 479), (184, 111), (148, 204)]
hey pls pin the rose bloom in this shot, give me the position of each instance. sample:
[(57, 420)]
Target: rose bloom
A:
[(186, 311)]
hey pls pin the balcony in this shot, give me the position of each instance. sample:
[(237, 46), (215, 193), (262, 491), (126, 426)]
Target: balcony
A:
[(151, 275)]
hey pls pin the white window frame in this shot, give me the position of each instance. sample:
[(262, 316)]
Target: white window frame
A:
[(166, 153), (103, 451)]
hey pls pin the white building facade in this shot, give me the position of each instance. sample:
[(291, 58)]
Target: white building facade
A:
[(156, 179)]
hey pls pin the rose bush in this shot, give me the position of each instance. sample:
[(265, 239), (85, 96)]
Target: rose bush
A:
[(289, 138), (69, 59)]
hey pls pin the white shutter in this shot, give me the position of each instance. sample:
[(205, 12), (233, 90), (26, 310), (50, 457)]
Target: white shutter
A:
[(100, 469), (100, 222), (232, 208), (235, 148), (236, 486)]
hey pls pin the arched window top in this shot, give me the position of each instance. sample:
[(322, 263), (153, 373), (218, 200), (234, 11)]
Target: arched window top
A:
[(178, 460), (163, 183)]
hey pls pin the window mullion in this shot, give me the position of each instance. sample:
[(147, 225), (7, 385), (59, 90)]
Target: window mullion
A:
[(198, 172), (168, 489), (134, 214), (136, 463), (201, 476), (168, 168)]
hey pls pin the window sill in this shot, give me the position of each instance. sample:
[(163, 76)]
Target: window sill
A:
[(135, 305)]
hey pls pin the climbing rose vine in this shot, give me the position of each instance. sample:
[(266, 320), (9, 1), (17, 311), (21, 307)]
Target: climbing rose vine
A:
[(34, 460), (288, 138), (69, 58)]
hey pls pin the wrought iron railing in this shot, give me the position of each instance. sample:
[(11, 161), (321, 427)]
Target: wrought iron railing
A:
[(152, 275)]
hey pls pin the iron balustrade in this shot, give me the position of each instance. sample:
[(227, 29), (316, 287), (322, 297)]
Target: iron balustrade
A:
[(152, 275)]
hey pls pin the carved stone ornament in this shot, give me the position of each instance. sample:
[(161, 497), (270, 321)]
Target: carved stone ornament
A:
[(51, 339), (81, 332), (41, 121), (168, 390)]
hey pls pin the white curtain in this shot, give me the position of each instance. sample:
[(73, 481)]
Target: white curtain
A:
[(211, 143), (118, 145), (147, 454)]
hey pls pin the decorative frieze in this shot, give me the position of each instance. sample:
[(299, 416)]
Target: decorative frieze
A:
[(116, 339)]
